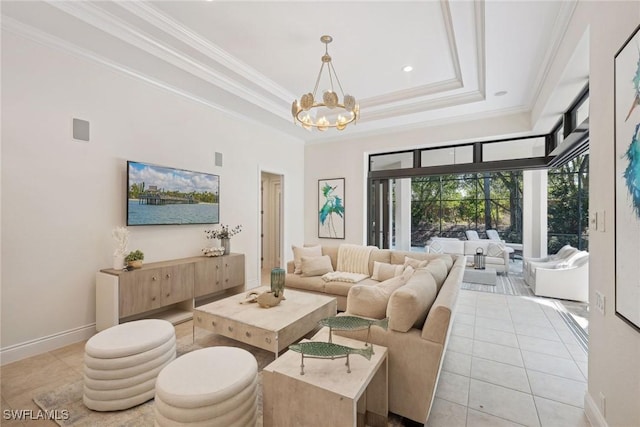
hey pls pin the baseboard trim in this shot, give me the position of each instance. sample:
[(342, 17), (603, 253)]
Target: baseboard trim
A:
[(592, 412), (38, 346)]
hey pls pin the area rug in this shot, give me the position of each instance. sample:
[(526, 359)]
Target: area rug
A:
[(69, 397), (508, 285)]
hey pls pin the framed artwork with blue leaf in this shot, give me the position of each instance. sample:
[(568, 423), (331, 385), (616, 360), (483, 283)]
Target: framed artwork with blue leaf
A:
[(627, 180), (331, 208)]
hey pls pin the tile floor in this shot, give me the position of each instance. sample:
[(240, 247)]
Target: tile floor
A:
[(511, 361)]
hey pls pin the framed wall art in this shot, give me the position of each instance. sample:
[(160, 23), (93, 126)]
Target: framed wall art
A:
[(627, 180), (331, 205)]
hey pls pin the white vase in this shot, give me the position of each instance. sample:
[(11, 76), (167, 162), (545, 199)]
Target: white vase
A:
[(118, 261), (226, 244)]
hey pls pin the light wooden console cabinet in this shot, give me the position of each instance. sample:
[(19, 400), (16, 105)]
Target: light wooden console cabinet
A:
[(167, 290)]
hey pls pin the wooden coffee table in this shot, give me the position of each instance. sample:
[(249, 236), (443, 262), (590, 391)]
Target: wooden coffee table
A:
[(272, 329), (326, 394)]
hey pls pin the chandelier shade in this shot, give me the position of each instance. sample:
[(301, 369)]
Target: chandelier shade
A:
[(327, 112)]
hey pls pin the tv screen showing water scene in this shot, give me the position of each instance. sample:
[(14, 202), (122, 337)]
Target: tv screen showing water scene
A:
[(160, 195)]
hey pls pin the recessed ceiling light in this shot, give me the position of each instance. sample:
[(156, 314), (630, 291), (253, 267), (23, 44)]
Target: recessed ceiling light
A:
[(407, 68), (500, 93)]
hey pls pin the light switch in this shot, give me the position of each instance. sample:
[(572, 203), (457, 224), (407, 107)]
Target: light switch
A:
[(600, 221)]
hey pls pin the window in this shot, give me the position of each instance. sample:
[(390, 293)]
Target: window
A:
[(568, 205), (448, 205)]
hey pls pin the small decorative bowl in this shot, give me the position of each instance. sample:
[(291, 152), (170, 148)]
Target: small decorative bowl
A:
[(213, 251)]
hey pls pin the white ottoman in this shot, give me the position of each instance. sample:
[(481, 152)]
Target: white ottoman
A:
[(215, 386), (123, 362)]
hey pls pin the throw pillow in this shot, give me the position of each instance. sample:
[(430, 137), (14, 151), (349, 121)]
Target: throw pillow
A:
[(383, 271), (299, 252), (371, 300), (409, 305), (438, 270), (315, 266), (495, 249), (435, 247), (415, 263)]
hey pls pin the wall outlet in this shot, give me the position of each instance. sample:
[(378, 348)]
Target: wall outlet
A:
[(603, 405), (600, 302)]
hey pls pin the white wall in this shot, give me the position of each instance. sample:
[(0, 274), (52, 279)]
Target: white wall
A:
[(614, 347), (61, 198), (348, 159)]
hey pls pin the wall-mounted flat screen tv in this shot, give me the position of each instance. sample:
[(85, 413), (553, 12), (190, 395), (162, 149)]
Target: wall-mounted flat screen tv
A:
[(160, 195)]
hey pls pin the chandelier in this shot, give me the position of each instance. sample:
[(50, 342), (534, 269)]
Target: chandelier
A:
[(328, 112)]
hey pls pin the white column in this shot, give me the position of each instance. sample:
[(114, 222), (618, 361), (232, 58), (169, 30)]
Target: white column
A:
[(403, 214), (534, 213)]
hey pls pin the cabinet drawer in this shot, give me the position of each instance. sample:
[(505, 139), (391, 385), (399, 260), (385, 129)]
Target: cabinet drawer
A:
[(248, 334)]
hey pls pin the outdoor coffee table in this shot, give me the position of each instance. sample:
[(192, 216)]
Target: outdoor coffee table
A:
[(271, 329), (326, 394), (488, 276)]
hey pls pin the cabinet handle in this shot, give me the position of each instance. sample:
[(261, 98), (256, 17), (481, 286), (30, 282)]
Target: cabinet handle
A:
[(153, 299), (168, 295), (168, 276), (154, 278), (230, 328), (268, 340), (213, 323), (199, 319), (248, 334), (217, 267)]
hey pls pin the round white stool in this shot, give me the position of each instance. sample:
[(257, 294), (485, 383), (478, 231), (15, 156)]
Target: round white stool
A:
[(123, 362), (215, 386)]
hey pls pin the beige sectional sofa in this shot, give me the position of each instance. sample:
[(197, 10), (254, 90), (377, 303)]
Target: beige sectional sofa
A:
[(497, 255), (419, 303)]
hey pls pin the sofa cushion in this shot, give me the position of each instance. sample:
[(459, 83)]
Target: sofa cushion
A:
[(332, 251), (408, 305), (495, 249), (435, 247), (380, 255), (313, 284), (300, 251), (315, 266), (397, 257), (371, 301), (342, 288), (383, 271), (438, 270), (415, 263), (450, 246)]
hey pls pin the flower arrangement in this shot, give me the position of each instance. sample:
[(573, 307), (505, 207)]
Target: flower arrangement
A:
[(121, 236), (224, 232)]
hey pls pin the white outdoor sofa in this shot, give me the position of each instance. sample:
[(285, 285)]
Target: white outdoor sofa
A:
[(565, 276)]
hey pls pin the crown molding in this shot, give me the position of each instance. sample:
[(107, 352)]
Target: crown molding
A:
[(98, 18), (161, 21), (481, 51), (558, 32), (426, 124), (26, 31), (451, 38), (420, 106)]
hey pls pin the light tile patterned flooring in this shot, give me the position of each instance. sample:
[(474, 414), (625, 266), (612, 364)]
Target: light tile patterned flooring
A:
[(511, 361)]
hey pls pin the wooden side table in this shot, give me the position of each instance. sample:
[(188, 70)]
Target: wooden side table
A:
[(326, 394)]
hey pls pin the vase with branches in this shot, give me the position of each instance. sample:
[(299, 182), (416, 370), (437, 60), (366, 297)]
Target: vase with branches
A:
[(224, 234)]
